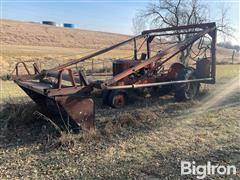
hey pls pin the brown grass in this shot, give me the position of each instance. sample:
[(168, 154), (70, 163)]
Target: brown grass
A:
[(145, 143), (34, 34)]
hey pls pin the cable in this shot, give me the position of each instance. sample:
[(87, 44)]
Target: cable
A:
[(201, 49)]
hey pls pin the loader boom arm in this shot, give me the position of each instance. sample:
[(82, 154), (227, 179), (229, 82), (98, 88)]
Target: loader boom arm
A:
[(102, 51), (176, 49)]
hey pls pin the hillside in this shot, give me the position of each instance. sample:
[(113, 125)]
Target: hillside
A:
[(34, 34)]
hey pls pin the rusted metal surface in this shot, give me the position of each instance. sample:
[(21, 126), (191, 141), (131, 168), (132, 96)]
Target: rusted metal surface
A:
[(37, 87), (174, 70), (70, 75), (122, 65), (25, 67), (203, 68), (117, 100), (38, 97), (63, 91), (80, 109)]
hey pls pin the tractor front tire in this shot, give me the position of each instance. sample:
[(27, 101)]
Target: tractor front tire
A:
[(105, 97)]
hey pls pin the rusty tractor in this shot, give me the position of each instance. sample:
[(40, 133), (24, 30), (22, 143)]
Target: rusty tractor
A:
[(67, 89)]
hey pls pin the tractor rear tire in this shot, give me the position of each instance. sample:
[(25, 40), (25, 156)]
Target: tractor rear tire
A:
[(186, 91), (105, 97)]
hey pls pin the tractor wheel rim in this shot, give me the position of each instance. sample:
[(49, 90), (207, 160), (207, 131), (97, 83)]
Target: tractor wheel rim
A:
[(118, 101)]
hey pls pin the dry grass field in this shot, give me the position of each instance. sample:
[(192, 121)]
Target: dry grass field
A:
[(145, 140), (34, 34)]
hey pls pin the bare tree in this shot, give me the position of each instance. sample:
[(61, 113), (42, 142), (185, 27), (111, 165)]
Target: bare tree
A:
[(171, 13), (223, 23), (138, 24)]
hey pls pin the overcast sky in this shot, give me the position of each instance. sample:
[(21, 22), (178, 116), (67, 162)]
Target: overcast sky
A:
[(103, 15)]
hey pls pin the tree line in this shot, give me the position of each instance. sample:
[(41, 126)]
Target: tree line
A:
[(229, 45)]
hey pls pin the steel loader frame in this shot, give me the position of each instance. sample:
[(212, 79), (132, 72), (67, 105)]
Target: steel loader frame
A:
[(75, 102)]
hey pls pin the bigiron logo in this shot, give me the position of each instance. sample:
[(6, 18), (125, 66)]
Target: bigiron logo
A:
[(202, 171)]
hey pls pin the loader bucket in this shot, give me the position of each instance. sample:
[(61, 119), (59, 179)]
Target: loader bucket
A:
[(81, 110)]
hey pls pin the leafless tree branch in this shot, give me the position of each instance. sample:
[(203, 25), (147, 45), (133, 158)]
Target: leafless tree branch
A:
[(182, 12)]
